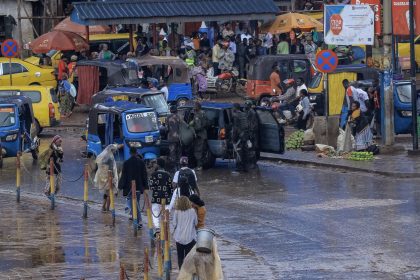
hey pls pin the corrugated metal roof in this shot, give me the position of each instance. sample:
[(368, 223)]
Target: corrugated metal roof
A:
[(167, 11)]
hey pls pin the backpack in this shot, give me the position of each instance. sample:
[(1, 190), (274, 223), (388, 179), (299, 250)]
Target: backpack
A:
[(184, 178)]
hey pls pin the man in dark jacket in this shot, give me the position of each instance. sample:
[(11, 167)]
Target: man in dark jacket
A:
[(253, 131), (133, 169)]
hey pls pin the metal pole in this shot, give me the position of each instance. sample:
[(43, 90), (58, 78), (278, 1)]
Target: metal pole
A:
[(10, 71), (19, 28), (18, 177), (85, 192), (413, 77)]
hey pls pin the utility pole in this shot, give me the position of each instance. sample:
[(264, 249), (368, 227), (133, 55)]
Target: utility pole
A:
[(413, 77), (19, 26), (388, 104)]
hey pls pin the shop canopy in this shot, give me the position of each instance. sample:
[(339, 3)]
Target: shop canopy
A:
[(170, 11)]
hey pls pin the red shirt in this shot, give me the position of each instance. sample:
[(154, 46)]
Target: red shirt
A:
[(62, 68)]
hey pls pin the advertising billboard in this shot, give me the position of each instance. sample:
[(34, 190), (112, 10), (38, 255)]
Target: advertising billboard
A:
[(400, 17), (376, 6), (349, 25)]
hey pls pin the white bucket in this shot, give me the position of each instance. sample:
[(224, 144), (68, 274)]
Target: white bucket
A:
[(205, 240)]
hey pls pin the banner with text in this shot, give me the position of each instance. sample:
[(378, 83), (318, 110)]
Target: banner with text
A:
[(401, 17), (349, 25), (376, 6)]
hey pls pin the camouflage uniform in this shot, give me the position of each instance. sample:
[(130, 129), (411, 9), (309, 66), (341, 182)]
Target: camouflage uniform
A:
[(173, 139), (253, 133), (240, 136), (199, 123)]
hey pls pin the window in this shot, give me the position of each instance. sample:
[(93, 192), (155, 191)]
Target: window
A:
[(7, 116), (316, 80), (141, 122), (299, 66), (404, 93), (35, 96), (15, 69), (157, 102), (284, 66)]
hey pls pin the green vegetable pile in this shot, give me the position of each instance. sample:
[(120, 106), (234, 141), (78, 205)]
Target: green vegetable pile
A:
[(295, 140), (360, 156)]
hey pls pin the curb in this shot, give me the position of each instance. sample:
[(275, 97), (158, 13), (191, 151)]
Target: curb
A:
[(397, 175)]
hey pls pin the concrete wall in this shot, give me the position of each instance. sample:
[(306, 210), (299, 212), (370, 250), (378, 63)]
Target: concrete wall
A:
[(9, 7)]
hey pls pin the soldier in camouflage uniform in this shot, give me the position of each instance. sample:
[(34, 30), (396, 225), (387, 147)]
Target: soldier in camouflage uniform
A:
[(199, 123), (253, 132), (240, 137), (174, 122)]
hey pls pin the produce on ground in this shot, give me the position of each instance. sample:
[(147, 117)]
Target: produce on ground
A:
[(295, 140), (360, 156)]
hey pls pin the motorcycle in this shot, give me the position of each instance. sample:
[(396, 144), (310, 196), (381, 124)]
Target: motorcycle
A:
[(226, 82)]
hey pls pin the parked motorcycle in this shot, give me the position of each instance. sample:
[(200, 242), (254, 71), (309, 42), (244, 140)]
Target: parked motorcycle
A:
[(226, 82)]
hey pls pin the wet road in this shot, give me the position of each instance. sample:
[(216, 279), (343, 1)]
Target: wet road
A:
[(286, 222)]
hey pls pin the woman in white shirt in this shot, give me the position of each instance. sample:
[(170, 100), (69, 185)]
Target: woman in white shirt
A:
[(184, 222)]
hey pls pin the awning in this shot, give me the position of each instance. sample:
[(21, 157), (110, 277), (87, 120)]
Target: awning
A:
[(169, 11)]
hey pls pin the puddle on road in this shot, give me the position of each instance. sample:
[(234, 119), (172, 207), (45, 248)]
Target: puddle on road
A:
[(341, 204)]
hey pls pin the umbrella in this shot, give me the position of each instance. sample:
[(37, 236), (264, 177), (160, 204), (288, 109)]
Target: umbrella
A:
[(60, 41), (286, 22), (68, 25)]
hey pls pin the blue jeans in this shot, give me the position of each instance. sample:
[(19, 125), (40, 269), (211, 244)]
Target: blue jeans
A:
[(130, 204)]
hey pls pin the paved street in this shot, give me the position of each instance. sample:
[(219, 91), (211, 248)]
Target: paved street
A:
[(278, 222)]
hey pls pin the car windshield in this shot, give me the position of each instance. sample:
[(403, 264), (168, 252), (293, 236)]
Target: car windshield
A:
[(7, 116), (157, 102), (314, 83), (141, 122), (404, 93)]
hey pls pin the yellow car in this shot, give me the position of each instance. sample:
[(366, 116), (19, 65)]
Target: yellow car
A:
[(117, 42), (44, 103), (25, 74), (404, 51)]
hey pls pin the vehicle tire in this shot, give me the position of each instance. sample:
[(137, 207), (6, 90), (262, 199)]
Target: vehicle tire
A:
[(1, 162), (257, 154), (209, 159), (264, 99), (181, 102)]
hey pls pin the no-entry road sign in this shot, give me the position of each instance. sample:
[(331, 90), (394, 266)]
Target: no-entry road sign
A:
[(9, 48), (326, 61)]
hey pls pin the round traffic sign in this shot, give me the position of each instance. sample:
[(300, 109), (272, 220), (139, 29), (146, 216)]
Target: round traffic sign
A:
[(326, 61), (9, 48)]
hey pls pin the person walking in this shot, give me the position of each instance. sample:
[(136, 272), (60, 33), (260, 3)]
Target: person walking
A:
[(199, 124), (253, 132), (54, 152), (160, 185), (106, 162), (65, 98), (184, 182), (198, 204), (174, 122), (240, 136), (133, 169), (184, 224)]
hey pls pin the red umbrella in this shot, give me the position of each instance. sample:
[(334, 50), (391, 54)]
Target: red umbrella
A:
[(68, 25), (60, 41)]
